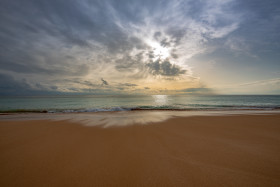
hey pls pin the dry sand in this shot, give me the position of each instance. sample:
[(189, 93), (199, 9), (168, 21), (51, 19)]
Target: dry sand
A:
[(239, 150)]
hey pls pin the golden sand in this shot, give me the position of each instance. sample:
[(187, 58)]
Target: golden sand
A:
[(242, 150)]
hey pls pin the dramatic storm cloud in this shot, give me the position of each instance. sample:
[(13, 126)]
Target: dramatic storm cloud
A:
[(134, 46)]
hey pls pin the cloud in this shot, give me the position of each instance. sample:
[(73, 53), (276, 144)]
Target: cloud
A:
[(262, 82), (10, 86), (200, 90), (104, 82), (165, 68), (239, 46), (49, 42), (54, 87), (128, 84)]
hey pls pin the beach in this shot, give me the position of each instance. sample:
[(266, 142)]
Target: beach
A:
[(230, 150), (164, 93)]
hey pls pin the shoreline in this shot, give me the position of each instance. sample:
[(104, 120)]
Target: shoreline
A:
[(125, 118), (118, 109), (229, 150)]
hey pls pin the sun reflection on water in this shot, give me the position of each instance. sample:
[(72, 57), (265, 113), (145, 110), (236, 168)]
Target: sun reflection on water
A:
[(161, 99)]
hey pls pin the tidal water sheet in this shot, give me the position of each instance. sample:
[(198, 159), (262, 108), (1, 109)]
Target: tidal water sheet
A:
[(125, 118)]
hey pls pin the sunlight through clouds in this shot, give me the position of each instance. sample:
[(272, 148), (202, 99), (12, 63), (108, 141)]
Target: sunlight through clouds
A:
[(73, 45)]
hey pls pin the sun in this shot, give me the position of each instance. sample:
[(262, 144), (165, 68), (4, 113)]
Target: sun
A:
[(158, 50)]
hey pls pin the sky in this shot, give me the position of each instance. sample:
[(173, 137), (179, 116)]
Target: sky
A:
[(139, 47)]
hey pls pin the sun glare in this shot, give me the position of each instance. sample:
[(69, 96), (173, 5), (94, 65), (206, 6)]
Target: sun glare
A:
[(158, 50)]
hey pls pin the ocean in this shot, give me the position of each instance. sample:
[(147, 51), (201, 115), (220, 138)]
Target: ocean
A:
[(94, 103)]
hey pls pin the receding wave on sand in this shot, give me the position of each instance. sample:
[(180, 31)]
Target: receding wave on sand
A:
[(125, 118)]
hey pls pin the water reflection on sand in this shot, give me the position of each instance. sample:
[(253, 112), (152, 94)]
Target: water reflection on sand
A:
[(124, 118)]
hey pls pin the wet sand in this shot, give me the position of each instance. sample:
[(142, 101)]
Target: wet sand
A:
[(242, 150)]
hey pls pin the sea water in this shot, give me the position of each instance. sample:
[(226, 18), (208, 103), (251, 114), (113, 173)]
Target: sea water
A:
[(96, 103)]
